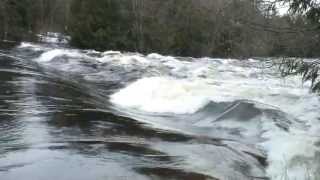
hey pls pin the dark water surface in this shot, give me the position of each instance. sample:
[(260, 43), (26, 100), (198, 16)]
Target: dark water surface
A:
[(51, 128)]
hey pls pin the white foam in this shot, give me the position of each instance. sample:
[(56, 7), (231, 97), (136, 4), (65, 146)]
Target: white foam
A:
[(34, 47), (291, 154), (222, 80), (170, 95), (132, 59), (108, 53), (163, 95), (155, 56), (25, 45), (123, 59), (50, 55)]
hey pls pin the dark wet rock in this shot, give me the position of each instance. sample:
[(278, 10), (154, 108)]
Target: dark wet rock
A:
[(159, 173)]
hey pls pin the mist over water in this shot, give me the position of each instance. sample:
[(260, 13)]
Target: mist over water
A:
[(82, 114)]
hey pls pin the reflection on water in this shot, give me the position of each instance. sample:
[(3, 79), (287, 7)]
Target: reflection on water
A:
[(50, 130), (56, 121)]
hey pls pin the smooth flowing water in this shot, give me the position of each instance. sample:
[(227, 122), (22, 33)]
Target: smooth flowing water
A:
[(75, 114)]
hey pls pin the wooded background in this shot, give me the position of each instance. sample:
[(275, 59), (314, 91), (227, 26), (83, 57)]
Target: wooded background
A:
[(216, 28)]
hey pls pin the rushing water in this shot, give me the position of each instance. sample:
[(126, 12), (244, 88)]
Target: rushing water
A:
[(71, 114)]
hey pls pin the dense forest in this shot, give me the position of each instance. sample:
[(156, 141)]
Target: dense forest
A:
[(217, 28)]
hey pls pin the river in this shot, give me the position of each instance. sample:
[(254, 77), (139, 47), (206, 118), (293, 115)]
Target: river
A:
[(82, 114)]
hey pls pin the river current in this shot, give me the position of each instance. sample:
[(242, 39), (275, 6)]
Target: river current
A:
[(81, 114)]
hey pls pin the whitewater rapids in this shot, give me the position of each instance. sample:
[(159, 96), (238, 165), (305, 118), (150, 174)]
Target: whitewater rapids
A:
[(245, 121)]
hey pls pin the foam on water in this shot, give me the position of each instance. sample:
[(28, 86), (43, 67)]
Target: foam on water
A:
[(186, 87), (123, 59), (34, 47), (155, 56), (181, 96), (290, 154), (50, 55), (106, 53), (163, 95)]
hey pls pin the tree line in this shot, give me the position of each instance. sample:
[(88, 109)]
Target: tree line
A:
[(216, 28), (308, 68), (22, 19)]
